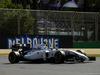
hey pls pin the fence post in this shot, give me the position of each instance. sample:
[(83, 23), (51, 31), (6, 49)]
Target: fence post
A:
[(72, 23), (96, 27), (46, 24), (18, 26)]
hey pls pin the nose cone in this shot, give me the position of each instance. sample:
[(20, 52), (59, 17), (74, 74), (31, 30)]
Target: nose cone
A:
[(85, 57)]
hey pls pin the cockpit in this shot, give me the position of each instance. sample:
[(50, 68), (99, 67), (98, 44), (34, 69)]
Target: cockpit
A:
[(40, 47)]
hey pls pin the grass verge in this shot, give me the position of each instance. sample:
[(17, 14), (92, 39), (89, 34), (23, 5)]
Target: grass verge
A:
[(5, 54), (94, 55)]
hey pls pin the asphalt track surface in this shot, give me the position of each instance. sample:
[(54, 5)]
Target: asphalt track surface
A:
[(29, 68)]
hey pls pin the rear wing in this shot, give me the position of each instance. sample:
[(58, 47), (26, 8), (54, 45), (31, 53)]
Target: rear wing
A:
[(16, 47)]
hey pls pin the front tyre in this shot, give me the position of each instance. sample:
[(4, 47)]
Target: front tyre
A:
[(14, 57), (59, 57)]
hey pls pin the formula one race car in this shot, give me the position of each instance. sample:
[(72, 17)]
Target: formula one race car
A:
[(40, 52)]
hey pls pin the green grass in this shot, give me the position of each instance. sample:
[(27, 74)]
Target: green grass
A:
[(3, 54), (95, 55)]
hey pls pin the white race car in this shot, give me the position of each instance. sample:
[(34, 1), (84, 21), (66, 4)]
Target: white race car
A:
[(41, 52)]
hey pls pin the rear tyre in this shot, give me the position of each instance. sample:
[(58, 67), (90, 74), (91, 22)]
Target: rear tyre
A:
[(14, 57), (59, 57)]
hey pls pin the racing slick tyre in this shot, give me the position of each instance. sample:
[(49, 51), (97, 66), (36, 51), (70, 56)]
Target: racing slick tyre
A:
[(14, 57), (81, 51), (59, 57)]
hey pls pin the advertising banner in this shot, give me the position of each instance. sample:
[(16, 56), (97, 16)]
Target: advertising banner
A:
[(6, 41)]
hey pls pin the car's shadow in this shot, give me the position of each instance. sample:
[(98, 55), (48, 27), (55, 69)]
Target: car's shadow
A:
[(30, 62)]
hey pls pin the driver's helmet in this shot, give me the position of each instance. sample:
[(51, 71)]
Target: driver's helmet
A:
[(45, 43)]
